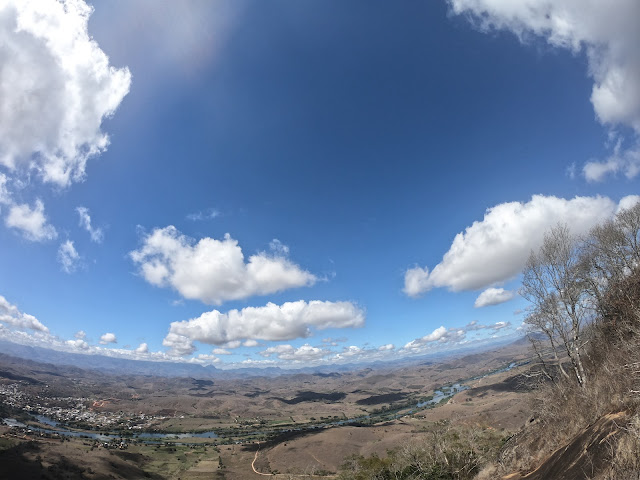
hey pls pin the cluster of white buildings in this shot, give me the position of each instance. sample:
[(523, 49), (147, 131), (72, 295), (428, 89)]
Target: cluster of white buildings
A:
[(75, 410)]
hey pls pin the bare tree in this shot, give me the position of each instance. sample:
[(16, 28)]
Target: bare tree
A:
[(611, 253), (561, 305)]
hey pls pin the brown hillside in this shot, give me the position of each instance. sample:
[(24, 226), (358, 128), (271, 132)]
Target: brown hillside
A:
[(586, 456)]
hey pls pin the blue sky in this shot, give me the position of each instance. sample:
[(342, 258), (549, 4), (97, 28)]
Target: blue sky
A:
[(277, 183)]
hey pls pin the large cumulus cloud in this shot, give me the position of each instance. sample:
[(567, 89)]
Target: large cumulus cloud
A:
[(213, 271), (495, 249), (57, 87), (272, 323)]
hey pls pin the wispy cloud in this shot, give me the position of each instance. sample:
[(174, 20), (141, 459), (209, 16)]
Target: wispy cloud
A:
[(199, 216), (68, 257), (96, 233)]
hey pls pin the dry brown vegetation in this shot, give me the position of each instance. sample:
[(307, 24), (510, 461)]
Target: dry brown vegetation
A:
[(443, 451)]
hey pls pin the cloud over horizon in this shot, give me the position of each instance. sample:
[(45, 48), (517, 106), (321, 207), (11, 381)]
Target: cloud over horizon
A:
[(108, 338), (272, 322), (304, 353), (455, 337), (284, 354), (440, 335)]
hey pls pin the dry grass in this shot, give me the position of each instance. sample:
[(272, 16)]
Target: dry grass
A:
[(564, 409)]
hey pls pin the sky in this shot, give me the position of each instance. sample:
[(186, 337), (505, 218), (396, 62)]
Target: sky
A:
[(283, 183)]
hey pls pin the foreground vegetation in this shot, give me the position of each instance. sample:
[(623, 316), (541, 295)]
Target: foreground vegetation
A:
[(584, 327), (445, 452)]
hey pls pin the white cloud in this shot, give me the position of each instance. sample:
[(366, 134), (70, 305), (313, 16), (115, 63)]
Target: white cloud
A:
[(277, 350), (209, 214), (500, 325), (334, 341), (271, 322), (305, 353), (446, 338), (441, 339), (493, 296), (78, 344), (434, 336), (179, 345), (96, 234), (292, 357), (440, 335), (279, 355), (474, 326), (250, 362), (279, 248), (5, 196), (23, 321), (68, 256), (220, 351), (416, 281), (213, 271), (627, 202), (108, 338), (32, 223), (206, 359), (606, 30), (625, 161), (496, 249), (351, 351), (80, 335), (11, 315), (57, 88)]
